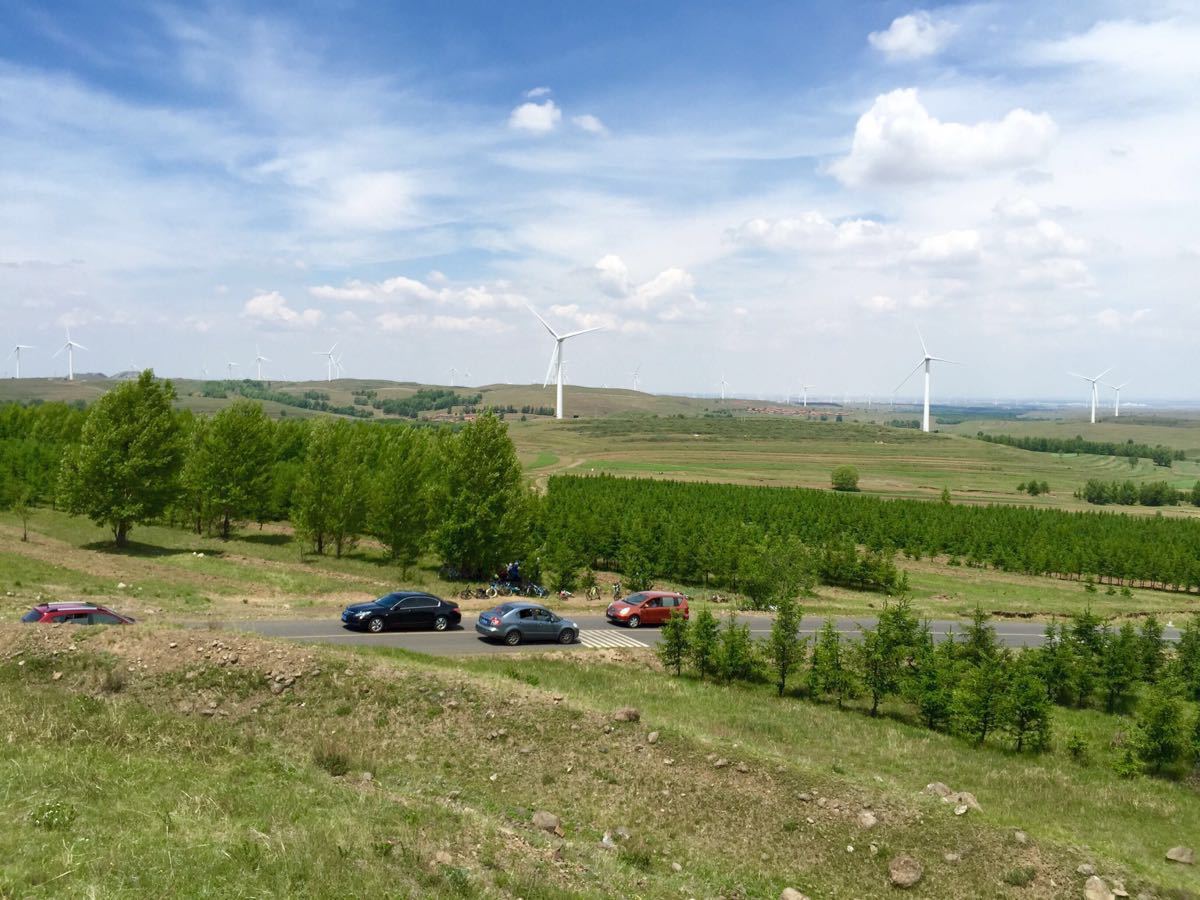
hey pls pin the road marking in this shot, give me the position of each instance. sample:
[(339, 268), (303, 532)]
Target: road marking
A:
[(607, 639)]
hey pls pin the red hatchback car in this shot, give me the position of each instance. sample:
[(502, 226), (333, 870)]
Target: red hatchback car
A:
[(646, 608), (75, 614)]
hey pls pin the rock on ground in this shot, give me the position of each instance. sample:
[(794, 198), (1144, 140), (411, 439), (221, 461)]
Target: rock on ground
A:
[(1095, 889), (792, 894), (1184, 855), (548, 821), (627, 714), (904, 871), (866, 819)]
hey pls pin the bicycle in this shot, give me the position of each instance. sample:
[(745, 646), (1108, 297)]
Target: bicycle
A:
[(617, 591), (593, 593)]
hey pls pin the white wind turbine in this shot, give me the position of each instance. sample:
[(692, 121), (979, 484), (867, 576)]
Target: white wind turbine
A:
[(556, 360), (328, 354), (16, 352), (1115, 387), (925, 361), (637, 376), (1092, 382), (453, 373), (70, 346), (337, 365), (804, 389), (259, 359), (724, 384), (231, 366)]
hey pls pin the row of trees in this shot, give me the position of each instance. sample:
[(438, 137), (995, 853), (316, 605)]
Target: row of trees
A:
[(701, 532), (1162, 456), (1128, 493), (972, 687)]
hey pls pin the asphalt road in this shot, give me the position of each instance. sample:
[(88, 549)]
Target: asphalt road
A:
[(594, 632)]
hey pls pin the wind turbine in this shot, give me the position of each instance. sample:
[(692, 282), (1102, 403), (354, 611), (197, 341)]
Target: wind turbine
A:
[(724, 384), (204, 372), (1115, 387), (259, 359), (328, 354), (556, 360), (231, 366), (70, 346), (804, 389), (337, 365), (16, 352), (925, 361), (453, 372), (1092, 382), (637, 376)]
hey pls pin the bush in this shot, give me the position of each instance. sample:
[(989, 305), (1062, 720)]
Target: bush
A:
[(1077, 748), (1020, 876), (332, 757), (845, 478), (53, 815)]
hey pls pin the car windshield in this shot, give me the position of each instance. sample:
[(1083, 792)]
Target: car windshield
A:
[(32, 616), (635, 599)]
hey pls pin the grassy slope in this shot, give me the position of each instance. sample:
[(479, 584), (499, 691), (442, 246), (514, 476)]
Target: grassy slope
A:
[(232, 803)]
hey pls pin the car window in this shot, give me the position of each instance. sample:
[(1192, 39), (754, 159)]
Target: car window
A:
[(527, 613), (654, 603), (32, 616), (103, 619), (542, 615), (670, 602), (422, 602), (635, 599), (77, 618)]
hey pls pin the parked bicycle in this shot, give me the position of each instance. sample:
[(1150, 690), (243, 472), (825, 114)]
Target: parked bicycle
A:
[(593, 593)]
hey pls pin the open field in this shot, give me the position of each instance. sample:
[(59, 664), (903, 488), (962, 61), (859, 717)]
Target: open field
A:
[(251, 790)]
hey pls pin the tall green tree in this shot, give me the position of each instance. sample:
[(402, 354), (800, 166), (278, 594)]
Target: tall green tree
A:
[(1119, 664), (229, 464), (398, 496), (1150, 647), (784, 647), (735, 652), (830, 674), (672, 649), (125, 469), (979, 699), (704, 643), (1025, 710), (1159, 738), (485, 509), (328, 505), (979, 641)]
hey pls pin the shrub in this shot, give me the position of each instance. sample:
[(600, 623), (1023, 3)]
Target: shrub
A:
[(1077, 748), (53, 815), (332, 757), (1020, 876), (845, 478)]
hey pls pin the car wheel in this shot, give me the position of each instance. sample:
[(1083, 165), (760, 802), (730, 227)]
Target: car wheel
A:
[(634, 621), (441, 623), (513, 638), (566, 636), (375, 625)]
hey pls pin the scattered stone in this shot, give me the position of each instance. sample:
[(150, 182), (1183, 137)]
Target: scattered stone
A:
[(721, 763), (961, 810), (607, 842), (822, 802), (849, 848), (964, 798), (442, 858), (622, 832), (792, 894), (56, 676), (1095, 889), (804, 797), (1020, 837), (454, 794), (627, 714), (548, 821), (173, 645), (743, 768), (951, 857), (873, 849), (1086, 869), (367, 778), (1183, 855), (866, 819), (121, 585), (676, 868), (652, 737), (904, 871), (938, 789)]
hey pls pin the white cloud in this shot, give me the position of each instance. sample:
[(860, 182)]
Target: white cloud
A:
[(612, 275), (1163, 51), (407, 322), (880, 303), (811, 231), (668, 296), (536, 118), (273, 307), (1056, 273), (959, 247), (590, 124), (401, 289), (1018, 209), (1114, 319), (897, 140), (914, 36), (368, 200), (534, 93), (1045, 238)]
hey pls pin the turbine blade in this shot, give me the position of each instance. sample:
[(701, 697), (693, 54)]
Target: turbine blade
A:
[(921, 338), (553, 360), (909, 375), (1102, 374), (1077, 375), (545, 325), (78, 346), (952, 362), (572, 334)]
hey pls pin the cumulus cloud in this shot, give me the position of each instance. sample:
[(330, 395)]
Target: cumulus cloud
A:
[(1018, 209), (534, 93), (1115, 320), (897, 140), (914, 36), (273, 308), (1045, 238), (810, 231), (668, 296), (405, 322), (959, 247), (1163, 51), (880, 303), (404, 290), (590, 124), (368, 200), (1056, 273), (536, 118), (612, 275)]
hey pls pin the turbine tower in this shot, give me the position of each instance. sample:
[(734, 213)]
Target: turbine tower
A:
[(637, 376), (724, 384), (16, 352), (925, 361), (231, 367), (453, 373), (556, 360), (1092, 382), (259, 359), (328, 354), (804, 389), (70, 346), (1115, 387)]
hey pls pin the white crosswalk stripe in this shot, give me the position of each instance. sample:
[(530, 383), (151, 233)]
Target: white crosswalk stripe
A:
[(608, 639)]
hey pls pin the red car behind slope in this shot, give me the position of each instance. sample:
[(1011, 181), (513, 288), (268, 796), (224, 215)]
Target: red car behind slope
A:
[(75, 614)]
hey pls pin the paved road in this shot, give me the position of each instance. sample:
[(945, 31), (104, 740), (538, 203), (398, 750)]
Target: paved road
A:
[(594, 632)]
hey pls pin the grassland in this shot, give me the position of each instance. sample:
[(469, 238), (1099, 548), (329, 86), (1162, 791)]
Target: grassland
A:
[(191, 775)]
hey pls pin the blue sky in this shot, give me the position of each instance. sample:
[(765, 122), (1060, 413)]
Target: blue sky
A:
[(779, 192)]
